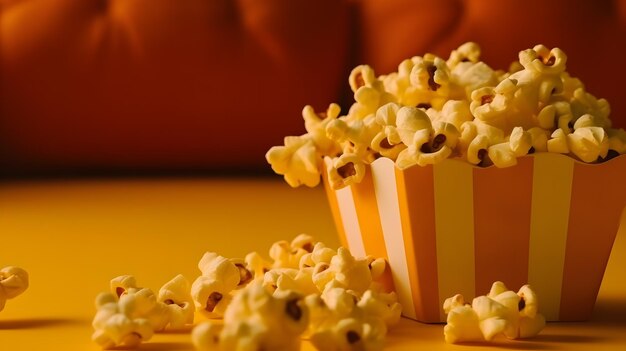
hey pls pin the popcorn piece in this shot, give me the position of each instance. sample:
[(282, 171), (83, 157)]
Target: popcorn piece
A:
[(115, 325), (477, 151), (257, 264), (369, 92), (122, 284), (288, 255), (344, 170), (462, 325), (500, 312), (349, 272), (257, 320), (361, 76), (456, 112), (145, 304), (584, 103), (13, 282), (520, 142), (219, 268), (206, 336), (431, 75), (382, 306), (211, 297), (558, 142), (351, 334), (589, 143), (316, 125), (467, 52), (539, 140), (289, 279), (176, 295), (297, 160)]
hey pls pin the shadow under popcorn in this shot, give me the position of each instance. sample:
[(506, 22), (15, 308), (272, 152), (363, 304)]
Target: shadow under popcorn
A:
[(450, 228)]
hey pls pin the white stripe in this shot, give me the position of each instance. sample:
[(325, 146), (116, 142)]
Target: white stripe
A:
[(385, 188), (350, 221), (552, 184), (454, 227)]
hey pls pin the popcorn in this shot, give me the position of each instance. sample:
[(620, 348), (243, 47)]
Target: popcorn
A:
[(146, 306), (430, 74), (344, 170), (211, 296), (257, 320), (316, 124), (505, 312), (297, 160), (206, 336), (115, 323), (351, 334), (122, 284), (558, 142), (589, 143), (381, 305), (369, 92), (176, 295), (349, 272), (404, 115), (13, 282), (288, 255)]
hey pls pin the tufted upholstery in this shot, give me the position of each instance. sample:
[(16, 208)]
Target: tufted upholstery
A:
[(206, 84)]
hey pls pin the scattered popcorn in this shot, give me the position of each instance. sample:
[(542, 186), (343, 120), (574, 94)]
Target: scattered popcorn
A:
[(13, 282), (501, 312), (433, 109), (304, 289)]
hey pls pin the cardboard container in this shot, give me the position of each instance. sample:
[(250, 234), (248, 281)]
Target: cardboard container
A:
[(455, 228)]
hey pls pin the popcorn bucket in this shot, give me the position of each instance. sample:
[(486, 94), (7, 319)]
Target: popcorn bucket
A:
[(450, 228)]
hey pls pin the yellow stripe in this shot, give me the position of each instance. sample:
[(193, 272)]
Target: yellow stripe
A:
[(350, 221), (552, 183), (383, 176), (454, 223)]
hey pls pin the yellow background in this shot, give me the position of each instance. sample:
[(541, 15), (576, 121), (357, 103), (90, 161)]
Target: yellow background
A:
[(74, 236)]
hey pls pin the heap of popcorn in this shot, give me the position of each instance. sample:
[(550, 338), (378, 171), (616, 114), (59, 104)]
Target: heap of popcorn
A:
[(433, 109), (306, 291), (13, 282)]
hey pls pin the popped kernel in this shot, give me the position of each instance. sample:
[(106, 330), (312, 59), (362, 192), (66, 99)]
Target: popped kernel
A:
[(176, 295), (316, 124), (259, 320), (558, 142), (13, 282), (288, 255), (351, 334), (211, 297), (500, 312), (115, 324), (206, 336), (144, 301), (344, 170), (297, 161), (589, 143)]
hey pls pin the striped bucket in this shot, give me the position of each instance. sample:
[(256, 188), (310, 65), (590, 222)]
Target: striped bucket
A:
[(455, 228)]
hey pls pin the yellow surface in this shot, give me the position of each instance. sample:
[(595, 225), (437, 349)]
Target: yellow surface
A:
[(74, 236)]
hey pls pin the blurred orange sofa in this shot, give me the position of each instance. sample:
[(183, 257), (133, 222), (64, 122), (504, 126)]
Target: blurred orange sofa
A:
[(127, 85)]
